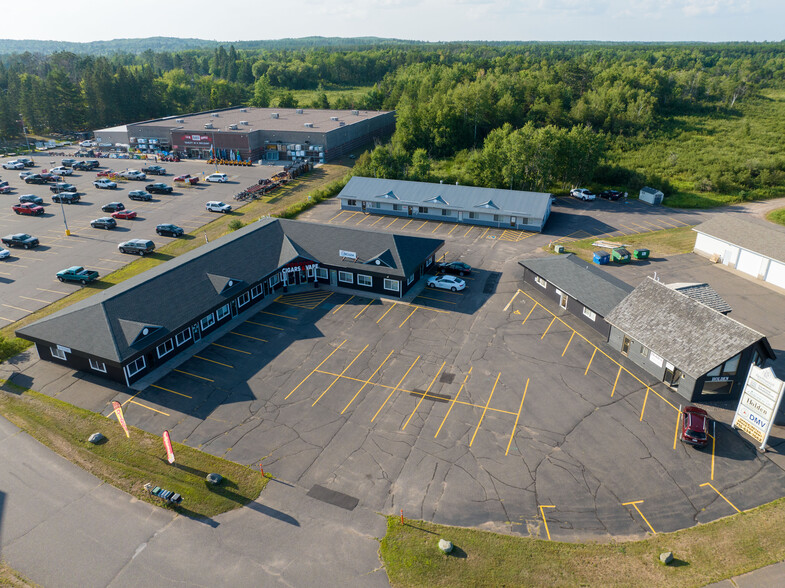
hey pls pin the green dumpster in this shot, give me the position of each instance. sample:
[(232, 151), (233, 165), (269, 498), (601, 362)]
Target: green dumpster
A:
[(640, 253), (620, 255)]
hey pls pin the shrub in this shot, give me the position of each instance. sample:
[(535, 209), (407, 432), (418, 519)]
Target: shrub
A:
[(236, 224)]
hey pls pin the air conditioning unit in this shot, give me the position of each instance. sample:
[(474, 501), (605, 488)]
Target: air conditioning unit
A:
[(341, 123), (299, 111), (214, 114), (208, 125), (244, 122), (356, 112), (274, 115), (333, 118), (243, 110), (180, 120), (309, 125), (233, 127)]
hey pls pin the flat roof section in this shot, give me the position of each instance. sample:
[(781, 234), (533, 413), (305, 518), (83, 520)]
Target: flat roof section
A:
[(262, 119)]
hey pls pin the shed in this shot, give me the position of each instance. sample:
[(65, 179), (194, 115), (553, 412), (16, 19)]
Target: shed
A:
[(651, 196)]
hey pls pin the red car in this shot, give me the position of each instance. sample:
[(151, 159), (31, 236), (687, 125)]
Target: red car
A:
[(695, 426), (187, 178), (126, 214), (105, 173), (28, 208), (5, 189)]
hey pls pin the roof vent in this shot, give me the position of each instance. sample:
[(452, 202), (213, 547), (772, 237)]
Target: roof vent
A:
[(274, 115), (180, 120), (341, 123), (233, 127), (356, 112), (309, 125), (244, 122), (299, 111), (333, 118), (243, 110), (214, 114), (208, 126)]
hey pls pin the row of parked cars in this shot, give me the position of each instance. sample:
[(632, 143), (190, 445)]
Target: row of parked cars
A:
[(586, 194)]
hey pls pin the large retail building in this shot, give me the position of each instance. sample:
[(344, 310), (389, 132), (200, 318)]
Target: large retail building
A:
[(126, 331), (270, 134)]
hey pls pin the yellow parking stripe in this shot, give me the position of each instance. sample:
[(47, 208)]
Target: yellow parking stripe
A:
[(437, 226), (407, 224), (485, 409), (52, 291), (213, 361), (150, 408), (394, 304), (515, 426), (721, 496), (314, 369), (454, 400), (407, 318), (263, 325), (291, 318), (421, 226), (366, 382), (231, 348), (545, 522), (192, 375), (364, 308), (635, 506), (168, 390), (339, 377), (34, 299), (428, 389), (340, 306), (17, 308), (248, 336), (394, 389)]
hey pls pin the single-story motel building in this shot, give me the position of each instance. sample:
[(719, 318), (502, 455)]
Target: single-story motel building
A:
[(126, 331), (678, 333), (491, 207), (756, 249)]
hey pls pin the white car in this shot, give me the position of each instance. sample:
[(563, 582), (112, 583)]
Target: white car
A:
[(104, 183), (87, 144), (583, 194), (446, 283), (218, 206), (61, 170), (217, 177), (24, 174), (14, 164), (133, 174), (4, 253)]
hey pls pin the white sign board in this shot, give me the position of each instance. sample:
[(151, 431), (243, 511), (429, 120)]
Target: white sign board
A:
[(758, 404), (347, 254)]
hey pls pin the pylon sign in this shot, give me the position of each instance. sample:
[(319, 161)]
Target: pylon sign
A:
[(760, 400)]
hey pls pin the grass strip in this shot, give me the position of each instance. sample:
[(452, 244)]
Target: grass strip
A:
[(703, 554), (660, 243), (128, 463)]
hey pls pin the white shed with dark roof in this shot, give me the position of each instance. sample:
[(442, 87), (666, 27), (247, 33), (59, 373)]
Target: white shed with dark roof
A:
[(754, 248)]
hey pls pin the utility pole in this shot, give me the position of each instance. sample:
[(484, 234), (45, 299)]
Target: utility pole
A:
[(24, 130)]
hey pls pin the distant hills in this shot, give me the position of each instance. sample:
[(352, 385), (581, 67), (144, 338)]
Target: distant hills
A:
[(158, 44)]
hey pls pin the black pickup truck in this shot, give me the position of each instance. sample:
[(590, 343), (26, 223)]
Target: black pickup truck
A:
[(20, 240)]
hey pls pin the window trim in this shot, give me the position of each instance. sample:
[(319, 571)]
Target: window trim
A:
[(243, 299), (589, 314), (128, 371), (409, 280), (351, 202), (540, 282), (342, 274), (58, 353), (274, 280), (177, 337), (256, 291), (446, 212), (222, 312), (390, 281), (210, 322), (168, 343), (322, 273), (422, 210), (361, 277), (97, 365)]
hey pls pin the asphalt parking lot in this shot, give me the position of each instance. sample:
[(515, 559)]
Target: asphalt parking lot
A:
[(28, 276), (486, 407)]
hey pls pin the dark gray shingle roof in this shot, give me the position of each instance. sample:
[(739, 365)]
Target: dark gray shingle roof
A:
[(760, 237), (690, 335), (110, 323), (704, 294), (589, 285)]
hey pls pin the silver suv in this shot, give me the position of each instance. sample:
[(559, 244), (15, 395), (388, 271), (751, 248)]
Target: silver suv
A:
[(218, 206), (138, 246)]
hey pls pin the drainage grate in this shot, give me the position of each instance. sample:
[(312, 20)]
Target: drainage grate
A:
[(446, 378), (333, 497)]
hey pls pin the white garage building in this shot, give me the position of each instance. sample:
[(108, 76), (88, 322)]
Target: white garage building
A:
[(753, 248)]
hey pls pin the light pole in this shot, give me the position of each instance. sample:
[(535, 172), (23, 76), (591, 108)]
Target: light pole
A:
[(215, 151), (24, 130), (65, 222)]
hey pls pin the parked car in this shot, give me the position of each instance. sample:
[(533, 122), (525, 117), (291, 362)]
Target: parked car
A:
[(124, 214), (26, 161), (105, 173), (66, 197), (455, 267), (133, 174), (5, 189), (92, 163), (154, 170), (695, 426), (140, 195), (612, 194), (68, 162), (62, 187), (138, 246), (217, 177), (31, 198), (87, 144), (24, 174), (77, 273), (113, 206), (187, 179), (36, 179), (583, 194), (104, 222), (4, 253), (169, 230), (28, 208), (13, 164), (20, 240), (446, 283), (218, 206), (61, 171), (81, 165), (50, 177), (104, 183), (158, 188)]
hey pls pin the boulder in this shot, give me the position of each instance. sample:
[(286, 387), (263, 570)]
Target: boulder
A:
[(96, 438), (445, 546), (214, 479), (666, 558)]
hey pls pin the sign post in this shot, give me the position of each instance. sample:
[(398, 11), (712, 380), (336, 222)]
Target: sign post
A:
[(760, 400)]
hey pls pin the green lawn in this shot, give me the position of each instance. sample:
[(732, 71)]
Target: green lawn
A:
[(777, 216), (660, 243)]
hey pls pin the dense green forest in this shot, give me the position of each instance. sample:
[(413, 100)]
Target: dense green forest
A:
[(537, 116)]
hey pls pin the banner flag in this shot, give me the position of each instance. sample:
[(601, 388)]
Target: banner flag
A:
[(118, 410), (168, 445)]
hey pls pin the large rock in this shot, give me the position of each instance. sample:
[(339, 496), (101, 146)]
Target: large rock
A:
[(96, 438), (214, 479), (445, 546), (666, 558)]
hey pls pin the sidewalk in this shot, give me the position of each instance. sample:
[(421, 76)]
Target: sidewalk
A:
[(773, 575)]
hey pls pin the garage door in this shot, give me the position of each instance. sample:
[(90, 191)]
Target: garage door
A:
[(749, 263), (776, 274)]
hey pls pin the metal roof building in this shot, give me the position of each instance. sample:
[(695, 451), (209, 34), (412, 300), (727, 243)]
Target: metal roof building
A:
[(511, 209), (270, 134), (127, 330)]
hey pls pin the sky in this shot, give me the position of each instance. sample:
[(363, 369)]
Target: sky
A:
[(425, 20)]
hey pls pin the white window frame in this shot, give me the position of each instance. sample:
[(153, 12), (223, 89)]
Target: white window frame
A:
[(274, 279), (429, 261), (164, 348), (256, 291), (209, 319), (134, 364), (342, 277), (397, 207), (309, 272), (182, 337), (58, 353), (589, 314), (98, 366), (395, 283), (446, 212), (361, 280), (243, 299), (222, 312), (540, 282), (322, 273), (410, 279)]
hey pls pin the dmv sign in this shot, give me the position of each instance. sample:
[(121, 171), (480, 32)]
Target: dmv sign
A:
[(758, 404)]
